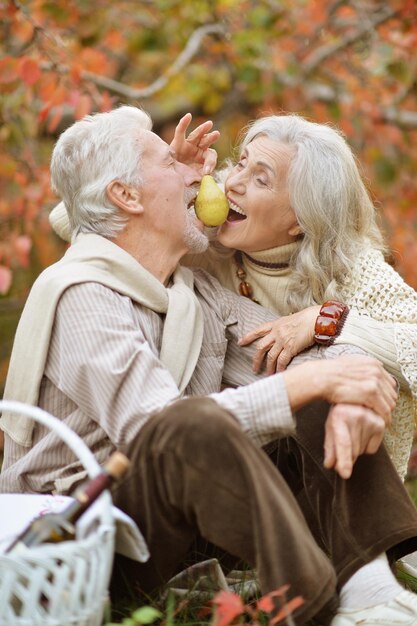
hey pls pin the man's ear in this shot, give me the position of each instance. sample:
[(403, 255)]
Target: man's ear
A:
[(295, 230), (125, 197)]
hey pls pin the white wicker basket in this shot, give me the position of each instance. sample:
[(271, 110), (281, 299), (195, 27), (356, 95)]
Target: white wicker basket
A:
[(62, 584)]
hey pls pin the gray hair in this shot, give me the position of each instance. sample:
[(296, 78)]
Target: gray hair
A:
[(88, 156), (330, 201)]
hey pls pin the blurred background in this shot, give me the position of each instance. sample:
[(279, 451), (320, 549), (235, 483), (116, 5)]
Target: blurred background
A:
[(349, 63)]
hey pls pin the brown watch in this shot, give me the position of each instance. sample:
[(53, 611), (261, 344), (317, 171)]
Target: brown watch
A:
[(329, 322)]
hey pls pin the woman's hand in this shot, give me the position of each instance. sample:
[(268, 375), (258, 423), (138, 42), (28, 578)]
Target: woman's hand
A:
[(282, 339), (195, 150)]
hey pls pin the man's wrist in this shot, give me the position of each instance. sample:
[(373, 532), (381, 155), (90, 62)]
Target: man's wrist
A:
[(312, 387)]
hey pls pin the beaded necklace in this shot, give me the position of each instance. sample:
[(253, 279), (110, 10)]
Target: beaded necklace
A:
[(245, 288)]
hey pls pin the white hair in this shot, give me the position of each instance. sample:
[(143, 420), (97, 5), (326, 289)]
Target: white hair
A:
[(331, 204), (88, 156)]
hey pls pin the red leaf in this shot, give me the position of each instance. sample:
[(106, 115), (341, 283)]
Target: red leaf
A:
[(29, 71), (229, 606), (55, 119), (59, 96), (84, 106), (266, 604), (93, 60), (278, 593), (8, 70), (75, 73), (106, 103), (23, 245), (43, 113), (5, 279), (289, 607)]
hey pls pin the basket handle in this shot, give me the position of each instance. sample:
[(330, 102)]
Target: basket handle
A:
[(72, 440)]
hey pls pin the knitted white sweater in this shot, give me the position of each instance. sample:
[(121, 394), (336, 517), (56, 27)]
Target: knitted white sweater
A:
[(378, 293), (382, 321)]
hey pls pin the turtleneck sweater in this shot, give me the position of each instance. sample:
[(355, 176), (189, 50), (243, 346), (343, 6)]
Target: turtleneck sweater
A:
[(269, 284)]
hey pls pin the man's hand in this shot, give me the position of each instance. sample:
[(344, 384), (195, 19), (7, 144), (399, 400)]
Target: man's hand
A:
[(360, 380), (364, 395), (195, 150), (282, 339), (350, 431), (343, 380)]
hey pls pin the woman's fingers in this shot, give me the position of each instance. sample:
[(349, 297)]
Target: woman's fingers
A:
[(256, 333), (283, 359), (262, 348)]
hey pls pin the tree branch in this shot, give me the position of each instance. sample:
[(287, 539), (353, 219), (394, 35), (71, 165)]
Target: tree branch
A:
[(313, 60), (132, 93), (399, 117)]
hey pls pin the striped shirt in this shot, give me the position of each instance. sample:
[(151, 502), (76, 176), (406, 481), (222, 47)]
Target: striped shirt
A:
[(104, 379)]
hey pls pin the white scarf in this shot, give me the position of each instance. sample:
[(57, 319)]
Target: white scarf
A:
[(92, 258)]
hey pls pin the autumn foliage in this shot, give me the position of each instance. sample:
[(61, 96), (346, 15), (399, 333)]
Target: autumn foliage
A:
[(230, 608), (351, 63)]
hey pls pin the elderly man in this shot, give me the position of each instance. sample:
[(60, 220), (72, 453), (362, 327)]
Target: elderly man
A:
[(114, 335)]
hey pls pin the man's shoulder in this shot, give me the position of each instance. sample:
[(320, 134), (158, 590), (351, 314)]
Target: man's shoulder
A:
[(206, 282), (90, 294)]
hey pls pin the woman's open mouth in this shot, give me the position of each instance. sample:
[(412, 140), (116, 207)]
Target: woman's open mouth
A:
[(235, 213)]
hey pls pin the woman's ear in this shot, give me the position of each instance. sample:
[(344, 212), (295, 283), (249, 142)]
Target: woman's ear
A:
[(295, 230), (124, 196)]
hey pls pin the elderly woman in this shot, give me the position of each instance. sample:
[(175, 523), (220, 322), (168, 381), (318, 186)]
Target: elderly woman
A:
[(301, 231)]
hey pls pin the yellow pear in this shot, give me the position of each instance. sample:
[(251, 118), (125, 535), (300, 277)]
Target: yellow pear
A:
[(211, 206)]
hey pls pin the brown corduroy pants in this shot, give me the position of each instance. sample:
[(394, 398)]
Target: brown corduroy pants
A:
[(195, 473)]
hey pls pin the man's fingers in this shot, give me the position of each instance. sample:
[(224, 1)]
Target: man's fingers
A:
[(210, 161), (329, 450), (387, 420), (375, 439), (373, 444), (337, 446), (379, 402), (343, 451), (181, 127), (198, 133), (207, 140)]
